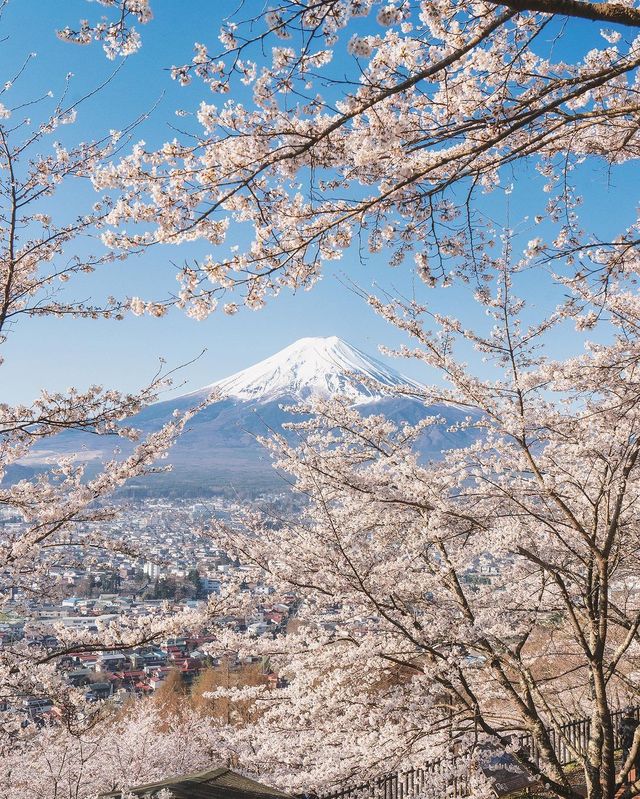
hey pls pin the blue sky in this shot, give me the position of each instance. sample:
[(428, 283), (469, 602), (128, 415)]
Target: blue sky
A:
[(56, 353)]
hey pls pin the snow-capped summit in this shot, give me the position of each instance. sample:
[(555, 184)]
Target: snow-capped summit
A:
[(312, 367)]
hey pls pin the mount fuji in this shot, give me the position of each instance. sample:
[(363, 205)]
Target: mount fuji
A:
[(219, 454), (311, 367)]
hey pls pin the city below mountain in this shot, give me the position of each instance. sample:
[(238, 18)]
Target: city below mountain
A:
[(219, 453)]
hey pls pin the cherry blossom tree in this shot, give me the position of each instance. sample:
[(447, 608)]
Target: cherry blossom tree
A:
[(174, 732), (129, 747), (56, 517), (461, 604)]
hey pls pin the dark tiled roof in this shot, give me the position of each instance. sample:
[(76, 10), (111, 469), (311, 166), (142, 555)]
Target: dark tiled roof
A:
[(221, 783)]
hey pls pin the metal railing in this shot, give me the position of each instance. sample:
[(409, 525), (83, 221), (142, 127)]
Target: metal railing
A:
[(434, 778), (447, 777)]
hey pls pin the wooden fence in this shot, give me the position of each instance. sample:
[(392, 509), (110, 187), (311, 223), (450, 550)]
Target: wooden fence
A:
[(448, 778)]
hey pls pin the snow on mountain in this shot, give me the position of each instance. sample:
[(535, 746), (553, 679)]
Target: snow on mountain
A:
[(308, 367), (220, 452)]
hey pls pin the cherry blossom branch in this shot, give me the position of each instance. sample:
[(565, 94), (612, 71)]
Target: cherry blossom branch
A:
[(614, 13)]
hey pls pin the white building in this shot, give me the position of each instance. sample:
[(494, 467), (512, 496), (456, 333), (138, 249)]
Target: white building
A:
[(152, 570)]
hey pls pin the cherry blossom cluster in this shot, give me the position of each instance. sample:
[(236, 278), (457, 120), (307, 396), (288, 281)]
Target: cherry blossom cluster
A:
[(119, 751), (439, 103), (117, 35)]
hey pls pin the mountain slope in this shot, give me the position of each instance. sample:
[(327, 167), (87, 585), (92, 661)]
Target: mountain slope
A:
[(219, 452)]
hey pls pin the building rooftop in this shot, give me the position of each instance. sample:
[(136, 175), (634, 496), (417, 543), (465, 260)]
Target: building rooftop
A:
[(220, 783)]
